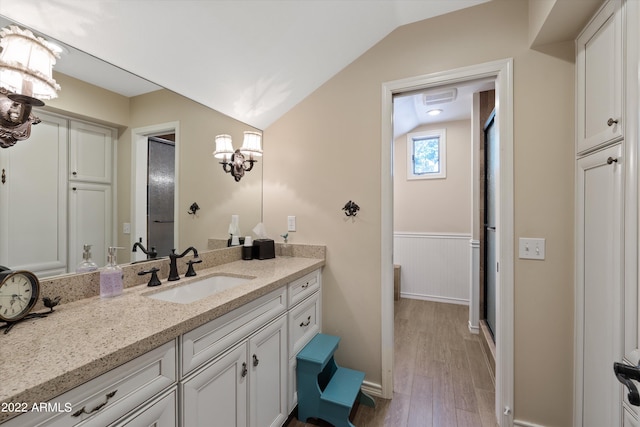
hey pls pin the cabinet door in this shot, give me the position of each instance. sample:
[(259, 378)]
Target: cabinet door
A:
[(90, 221), (599, 287), (629, 419), (33, 200), (218, 392), (599, 79), (268, 376), (90, 152)]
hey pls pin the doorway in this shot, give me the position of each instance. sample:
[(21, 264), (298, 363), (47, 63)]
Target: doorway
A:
[(155, 188), (161, 193), (502, 71)]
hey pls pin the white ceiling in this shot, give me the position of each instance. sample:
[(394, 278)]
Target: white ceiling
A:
[(250, 59), (410, 110)]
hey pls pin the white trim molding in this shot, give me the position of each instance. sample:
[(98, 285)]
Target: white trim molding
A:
[(474, 286), (518, 423), (502, 71), (434, 266)]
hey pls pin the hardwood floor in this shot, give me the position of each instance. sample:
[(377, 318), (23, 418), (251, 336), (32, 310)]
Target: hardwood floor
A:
[(441, 376)]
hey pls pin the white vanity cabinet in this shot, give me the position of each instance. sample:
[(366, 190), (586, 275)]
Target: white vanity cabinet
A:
[(240, 368), (599, 76), (245, 385), (237, 370), (305, 321), (125, 395)]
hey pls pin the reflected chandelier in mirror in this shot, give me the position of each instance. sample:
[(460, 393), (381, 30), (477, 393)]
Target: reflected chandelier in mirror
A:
[(15, 120), (26, 69)]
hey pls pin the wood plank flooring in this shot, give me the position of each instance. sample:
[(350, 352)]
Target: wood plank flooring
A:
[(441, 377)]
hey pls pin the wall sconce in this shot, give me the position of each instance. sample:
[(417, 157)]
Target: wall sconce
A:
[(26, 78), (236, 162)]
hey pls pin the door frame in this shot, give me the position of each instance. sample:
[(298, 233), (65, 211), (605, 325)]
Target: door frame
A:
[(139, 138), (502, 71)]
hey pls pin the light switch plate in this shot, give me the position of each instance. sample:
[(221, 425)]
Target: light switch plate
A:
[(531, 248), (126, 228), (291, 223)]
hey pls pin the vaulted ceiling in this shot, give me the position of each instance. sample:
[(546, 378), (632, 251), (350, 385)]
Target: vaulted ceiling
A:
[(250, 59)]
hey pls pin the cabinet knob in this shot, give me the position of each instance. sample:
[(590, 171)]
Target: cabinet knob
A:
[(255, 360), (74, 173), (611, 122), (611, 160), (244, 370)]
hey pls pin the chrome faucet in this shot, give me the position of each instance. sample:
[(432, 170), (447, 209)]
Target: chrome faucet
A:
[(150, 254), (173, 265)]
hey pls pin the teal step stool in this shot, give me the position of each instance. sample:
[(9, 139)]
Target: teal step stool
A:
[(325, 390)]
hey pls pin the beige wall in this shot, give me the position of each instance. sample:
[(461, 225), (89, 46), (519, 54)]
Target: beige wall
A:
[(330, 144), (86, 101), (435, 205), (202, 179)]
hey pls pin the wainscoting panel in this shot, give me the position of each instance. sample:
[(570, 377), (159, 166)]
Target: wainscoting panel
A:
[(434, 267)]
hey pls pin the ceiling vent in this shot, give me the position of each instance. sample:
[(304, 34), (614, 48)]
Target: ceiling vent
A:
[(440, 97)]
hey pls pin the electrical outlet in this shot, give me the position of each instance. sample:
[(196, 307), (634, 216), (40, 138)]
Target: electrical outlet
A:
[(530, 248), (126, 228), (291, 223)]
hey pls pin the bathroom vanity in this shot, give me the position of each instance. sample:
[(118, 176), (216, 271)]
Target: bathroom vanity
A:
[(135, 360)]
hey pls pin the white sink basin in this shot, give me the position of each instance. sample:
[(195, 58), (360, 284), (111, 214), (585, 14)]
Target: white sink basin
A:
[(194, 291)]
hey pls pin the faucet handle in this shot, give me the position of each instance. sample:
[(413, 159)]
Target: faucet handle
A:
[(154, 281), (190, 270)]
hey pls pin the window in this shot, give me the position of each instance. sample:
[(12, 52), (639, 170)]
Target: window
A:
[(426, 155)]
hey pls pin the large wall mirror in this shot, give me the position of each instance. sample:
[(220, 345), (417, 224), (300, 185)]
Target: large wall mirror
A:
[(150, 114)]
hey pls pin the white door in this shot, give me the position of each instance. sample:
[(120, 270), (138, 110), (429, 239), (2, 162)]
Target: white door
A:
[(33, 200), (599, 290)]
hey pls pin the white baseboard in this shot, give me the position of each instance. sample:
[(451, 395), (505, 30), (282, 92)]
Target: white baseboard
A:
[(474, 329), (434, 298), (518, 423), (372, 389)]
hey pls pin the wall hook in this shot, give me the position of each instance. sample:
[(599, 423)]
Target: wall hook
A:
[(193, 208), (351, 209)]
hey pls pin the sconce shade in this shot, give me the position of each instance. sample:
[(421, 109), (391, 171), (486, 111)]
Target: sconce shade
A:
[(252, 144), (26, 65), (224, 147)]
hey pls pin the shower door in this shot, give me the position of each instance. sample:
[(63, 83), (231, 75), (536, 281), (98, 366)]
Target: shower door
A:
[(160, 195), (490, 208)]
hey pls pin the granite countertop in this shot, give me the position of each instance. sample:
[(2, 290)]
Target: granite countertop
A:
[(43, 358)]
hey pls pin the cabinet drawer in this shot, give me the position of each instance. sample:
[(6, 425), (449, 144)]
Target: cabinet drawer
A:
[(161, 413), (304, 323), (110, 396), (303, 287), (207, 341)]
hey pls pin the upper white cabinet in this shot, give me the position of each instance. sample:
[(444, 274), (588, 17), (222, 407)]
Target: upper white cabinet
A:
[(90, 152), (599, 80), (56, 196)]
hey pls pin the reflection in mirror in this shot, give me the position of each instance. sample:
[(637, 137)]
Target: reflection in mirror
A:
[(83, 107), (15, 120)]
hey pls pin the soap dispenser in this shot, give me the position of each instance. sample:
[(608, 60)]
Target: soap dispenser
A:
[(87, 263), (111, 283)]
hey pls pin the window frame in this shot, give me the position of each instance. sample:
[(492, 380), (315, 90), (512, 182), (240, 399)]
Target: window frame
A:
[(442, 153)]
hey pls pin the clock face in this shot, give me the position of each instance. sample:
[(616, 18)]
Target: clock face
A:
[(18, 294)]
